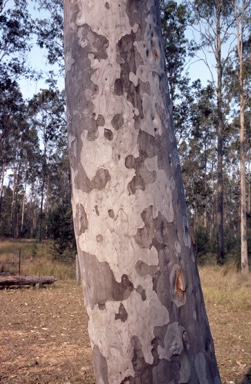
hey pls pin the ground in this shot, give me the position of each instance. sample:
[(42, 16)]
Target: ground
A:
[(43, 336), (44, 340)]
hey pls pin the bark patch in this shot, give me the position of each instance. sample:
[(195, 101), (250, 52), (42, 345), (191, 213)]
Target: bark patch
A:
[(142, 177), (122, 315), (117, 121), (129, 60), (167, 371), (100, 366), (108, 134), (142, 292), (143, 371), (100, 284), (155, 146), (81, 222), (99, 181), (145, 235), (92, 42), (111, 213), (88, 42)]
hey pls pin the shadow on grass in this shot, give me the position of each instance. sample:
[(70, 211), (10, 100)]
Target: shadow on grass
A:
[(247, 378)]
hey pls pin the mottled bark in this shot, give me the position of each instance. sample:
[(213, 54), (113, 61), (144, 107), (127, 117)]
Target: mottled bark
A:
[(147, 319)]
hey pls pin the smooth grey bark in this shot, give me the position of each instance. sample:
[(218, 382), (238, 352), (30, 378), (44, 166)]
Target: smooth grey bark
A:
[(220, 134), (240, 27), (147, 318)]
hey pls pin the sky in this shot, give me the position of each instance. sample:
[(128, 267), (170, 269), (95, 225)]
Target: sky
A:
[(37, 60)]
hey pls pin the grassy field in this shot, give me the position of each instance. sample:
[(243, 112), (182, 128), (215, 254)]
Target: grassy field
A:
[(36, 259), (43, 332)]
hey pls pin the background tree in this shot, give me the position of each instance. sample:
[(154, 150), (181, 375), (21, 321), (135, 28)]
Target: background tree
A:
[(49, 31), (213, 20), (15, 37), (237, 80), (242, 18), (47, 108), (177, 48)]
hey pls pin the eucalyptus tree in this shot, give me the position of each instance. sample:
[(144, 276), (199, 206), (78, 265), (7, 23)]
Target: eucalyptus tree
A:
[(213, 21), (147, 319), (237, 85), (11, 102), (199, 160), (177, 48), (49, 31), (13, 123), (242, 11), (15, 38), (47, 109)]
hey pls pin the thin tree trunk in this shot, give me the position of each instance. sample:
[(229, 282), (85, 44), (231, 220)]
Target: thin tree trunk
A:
[(1, 186), (23, 209), (205, 221), (240, 31), (13, 205), (147, 319), (249, 182), (220, 215), (212, 225), (42, 198)]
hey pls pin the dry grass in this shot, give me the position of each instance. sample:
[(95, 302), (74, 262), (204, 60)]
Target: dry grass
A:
[(228, 300), (43, 333), (36, 259)]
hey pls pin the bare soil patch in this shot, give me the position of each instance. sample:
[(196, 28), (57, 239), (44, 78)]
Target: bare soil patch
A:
[(43, 336), (44, 340)]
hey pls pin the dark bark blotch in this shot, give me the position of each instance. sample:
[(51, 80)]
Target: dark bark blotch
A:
[(111, 213), (100, 366), (100, 284), (142, 292), (108, 134), (122, 315), (99, 181), (117, 121), (81, 221)]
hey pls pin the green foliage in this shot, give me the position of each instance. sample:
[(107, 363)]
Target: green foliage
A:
[(60, 229), (174, 20), (49, 31), (205, 247), (15, 36)]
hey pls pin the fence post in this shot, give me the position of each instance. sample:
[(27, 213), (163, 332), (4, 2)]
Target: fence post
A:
[(19, 262), (78, 277)]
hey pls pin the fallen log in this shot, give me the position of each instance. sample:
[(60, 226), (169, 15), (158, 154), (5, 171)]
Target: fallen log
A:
[(40, 281)]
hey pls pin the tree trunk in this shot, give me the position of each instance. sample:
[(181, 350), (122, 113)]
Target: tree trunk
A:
[(244, 248), (212, 224), (249, 183), (1, 186), (220, 215), (40, 236), (23, 209), (147, 319)]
